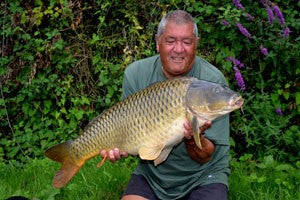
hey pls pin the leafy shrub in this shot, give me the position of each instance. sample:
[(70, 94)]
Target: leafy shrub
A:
[(263, 132), (62, 64)]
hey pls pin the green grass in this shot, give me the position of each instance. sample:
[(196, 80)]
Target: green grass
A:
[(264, 181), (34, 181), (247, 181)]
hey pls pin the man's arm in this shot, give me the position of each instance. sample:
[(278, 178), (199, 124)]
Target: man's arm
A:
[(200, 155)]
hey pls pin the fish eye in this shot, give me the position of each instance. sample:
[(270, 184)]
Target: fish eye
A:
[(217, 90)]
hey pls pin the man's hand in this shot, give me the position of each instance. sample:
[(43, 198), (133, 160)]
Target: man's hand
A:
[(113, 155), (188, 130), (200, 155)]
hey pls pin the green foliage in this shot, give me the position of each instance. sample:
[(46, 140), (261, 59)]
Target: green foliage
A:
[(267, 179), (249, 180), (261, 131), (34, 181), (62, 64)]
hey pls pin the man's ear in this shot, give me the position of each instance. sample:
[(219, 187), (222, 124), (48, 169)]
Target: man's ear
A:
[(157, 43)]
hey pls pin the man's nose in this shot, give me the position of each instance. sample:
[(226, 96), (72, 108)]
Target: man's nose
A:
[(178, 48)]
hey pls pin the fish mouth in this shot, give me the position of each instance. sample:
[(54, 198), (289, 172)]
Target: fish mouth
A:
[(237, 101)]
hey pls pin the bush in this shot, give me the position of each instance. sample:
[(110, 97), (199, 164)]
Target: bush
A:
[(62, 64)]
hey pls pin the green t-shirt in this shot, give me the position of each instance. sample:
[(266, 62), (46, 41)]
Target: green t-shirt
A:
[(179, 174)]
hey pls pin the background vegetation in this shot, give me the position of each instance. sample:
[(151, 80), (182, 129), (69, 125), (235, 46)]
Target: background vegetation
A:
[(62, 64)]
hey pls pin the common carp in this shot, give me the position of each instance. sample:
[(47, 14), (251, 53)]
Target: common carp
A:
[(148, 123)]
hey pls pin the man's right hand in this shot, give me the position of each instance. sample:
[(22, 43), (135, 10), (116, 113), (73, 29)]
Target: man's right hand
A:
[(113, 155)]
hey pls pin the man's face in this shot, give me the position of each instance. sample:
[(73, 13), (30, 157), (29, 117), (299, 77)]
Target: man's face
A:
[(177, 47)]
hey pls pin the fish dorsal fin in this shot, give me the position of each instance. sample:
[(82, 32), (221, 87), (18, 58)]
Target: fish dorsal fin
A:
[(163, 155), (150, 152)]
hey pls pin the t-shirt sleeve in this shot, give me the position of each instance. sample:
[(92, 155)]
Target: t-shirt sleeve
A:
[(130, 85), (127, 88)]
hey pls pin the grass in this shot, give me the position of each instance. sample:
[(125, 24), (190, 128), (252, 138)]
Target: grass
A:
[(250, 180), (247, 181), (35, 179)]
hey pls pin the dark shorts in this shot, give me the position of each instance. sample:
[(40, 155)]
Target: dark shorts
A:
[(138, 186)]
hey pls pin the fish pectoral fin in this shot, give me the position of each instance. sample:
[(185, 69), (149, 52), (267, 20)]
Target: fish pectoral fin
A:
[(196, 131), (163, 155), (150, 152), (102, 161)]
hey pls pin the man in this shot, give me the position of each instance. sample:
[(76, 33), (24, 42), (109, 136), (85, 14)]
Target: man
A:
[(188, 172)]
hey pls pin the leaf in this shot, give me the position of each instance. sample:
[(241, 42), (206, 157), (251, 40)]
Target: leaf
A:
[(85, 100), (79, 114), (2, 102), (12, 151), (284, 167), (232, 142), (63, 110), (253, 176), (269, 161), (261, 179), (298, 164), (246, 157), (297, 98)]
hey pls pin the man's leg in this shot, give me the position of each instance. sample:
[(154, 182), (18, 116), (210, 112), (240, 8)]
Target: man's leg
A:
[(215, 191), (138, 189)]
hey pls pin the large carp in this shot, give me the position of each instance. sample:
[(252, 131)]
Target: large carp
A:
[(148, 123)]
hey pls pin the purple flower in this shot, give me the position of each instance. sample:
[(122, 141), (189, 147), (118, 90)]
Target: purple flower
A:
[(278, 14), (286, 32), (236, 62), (270, 15), (264, 50), (250, 17), (224, 22), (243, 30), (231, 59), (279, 111), (239, 79), (238, 4)]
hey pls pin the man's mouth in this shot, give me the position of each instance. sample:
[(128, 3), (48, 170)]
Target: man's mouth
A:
[(177, 59)]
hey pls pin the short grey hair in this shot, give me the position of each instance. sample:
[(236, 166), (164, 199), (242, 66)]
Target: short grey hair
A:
[(179, 17)]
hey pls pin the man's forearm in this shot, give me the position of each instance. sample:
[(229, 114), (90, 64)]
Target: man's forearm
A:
[(200, 155)]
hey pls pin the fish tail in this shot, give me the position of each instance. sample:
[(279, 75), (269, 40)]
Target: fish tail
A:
[(60, 153)]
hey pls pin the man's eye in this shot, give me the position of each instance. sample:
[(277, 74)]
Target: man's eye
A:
[(170, 41), (187, 42)]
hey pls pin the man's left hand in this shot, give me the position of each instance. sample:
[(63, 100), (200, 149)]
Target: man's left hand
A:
[(200, 155)]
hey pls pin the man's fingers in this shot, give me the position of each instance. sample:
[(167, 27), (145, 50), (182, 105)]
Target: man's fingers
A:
[(187, 130), (187, 125), (117, 154), (124, 154), (111, 156), (208, 123), (103, 153)]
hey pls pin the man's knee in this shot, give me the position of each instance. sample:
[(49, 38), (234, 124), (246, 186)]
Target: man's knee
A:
[(214, 191)]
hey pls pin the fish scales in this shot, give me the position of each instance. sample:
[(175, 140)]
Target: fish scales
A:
[(148, 123), (115, 132)]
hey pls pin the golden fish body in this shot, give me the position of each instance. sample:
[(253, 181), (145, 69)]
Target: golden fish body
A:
[(149, 124), (152, 118)]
